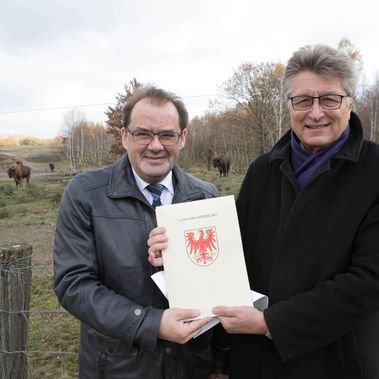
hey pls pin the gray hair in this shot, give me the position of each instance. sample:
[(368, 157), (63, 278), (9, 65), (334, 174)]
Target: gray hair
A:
[(156, 96), (321, 60)]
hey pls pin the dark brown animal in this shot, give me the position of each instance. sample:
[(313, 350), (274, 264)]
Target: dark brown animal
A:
[(18, 172), (222, 162), (52, 166)]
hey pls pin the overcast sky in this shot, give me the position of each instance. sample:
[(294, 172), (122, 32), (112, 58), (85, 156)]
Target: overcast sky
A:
[(57, 54)]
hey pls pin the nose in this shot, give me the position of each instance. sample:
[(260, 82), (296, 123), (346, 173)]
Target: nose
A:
[(155, 144), (316, 110)]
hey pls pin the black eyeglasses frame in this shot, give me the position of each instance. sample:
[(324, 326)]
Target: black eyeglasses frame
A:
[(320, 99), (152, 134)]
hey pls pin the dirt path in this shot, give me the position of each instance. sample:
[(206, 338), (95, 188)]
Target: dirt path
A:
[(32, 158)]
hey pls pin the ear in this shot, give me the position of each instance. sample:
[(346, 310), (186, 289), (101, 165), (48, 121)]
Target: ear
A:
[(124, 138), (183, 138), (351, 105)]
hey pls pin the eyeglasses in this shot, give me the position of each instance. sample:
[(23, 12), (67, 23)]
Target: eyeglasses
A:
[(144, 137), (327, 102)]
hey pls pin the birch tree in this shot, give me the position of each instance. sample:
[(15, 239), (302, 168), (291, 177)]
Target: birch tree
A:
[(256, 92)]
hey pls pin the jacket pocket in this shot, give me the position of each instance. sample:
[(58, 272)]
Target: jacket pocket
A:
[(109, 345)]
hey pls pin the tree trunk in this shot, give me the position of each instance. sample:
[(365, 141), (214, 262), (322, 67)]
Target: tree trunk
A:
[(15, 285)]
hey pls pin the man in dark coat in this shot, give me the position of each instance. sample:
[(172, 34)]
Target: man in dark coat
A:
[(102, 275), (309, 218)]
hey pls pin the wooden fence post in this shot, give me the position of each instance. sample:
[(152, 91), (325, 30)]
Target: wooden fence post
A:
[(15, 287)]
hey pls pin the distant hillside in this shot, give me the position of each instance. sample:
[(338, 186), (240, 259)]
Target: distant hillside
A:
[(17, 140)]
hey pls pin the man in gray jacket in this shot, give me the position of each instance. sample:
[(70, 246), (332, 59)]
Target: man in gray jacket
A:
[(102, 275)]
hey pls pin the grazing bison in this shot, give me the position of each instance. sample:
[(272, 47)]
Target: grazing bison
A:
[(222, 162), (18, 172)]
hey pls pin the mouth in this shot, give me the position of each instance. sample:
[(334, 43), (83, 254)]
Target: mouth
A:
[(318, 126), (155, 159)]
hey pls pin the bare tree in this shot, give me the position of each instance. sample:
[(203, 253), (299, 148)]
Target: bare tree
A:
[(219, 132), (256, 92), (71, 122), (86, 143), (368, 108)]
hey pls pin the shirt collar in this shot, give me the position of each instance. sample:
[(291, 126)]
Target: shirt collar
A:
[(167, 182)]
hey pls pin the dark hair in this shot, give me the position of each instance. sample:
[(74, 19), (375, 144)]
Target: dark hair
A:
[(156, 96), (322, 60)]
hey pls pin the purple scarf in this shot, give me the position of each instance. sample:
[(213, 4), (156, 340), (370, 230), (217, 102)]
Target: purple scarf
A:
[(305, 164)]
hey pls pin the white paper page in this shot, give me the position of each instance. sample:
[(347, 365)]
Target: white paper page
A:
[(204, 263)]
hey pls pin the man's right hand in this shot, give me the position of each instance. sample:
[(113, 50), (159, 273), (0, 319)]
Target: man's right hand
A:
[(174, 328)]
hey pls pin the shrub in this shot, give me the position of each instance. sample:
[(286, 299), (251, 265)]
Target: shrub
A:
[(35, 191), (56, 197), (28, 142), (7, 189), (4, 213)]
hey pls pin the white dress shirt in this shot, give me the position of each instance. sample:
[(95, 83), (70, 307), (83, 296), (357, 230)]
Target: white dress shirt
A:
[(167, 193)]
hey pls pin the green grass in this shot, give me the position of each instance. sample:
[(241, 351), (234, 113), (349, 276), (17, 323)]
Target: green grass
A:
[(226, 185), (53, 334)]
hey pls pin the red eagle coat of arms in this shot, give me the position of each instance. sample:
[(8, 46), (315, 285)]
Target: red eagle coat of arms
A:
[(202, 245)]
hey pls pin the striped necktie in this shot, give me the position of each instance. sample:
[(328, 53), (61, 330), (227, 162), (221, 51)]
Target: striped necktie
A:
[(156, 191)]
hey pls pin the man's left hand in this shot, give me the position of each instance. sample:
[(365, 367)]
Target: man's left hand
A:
[(157, 242), (241, 320)]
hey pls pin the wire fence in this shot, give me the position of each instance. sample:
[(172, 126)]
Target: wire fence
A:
[(38, 338)]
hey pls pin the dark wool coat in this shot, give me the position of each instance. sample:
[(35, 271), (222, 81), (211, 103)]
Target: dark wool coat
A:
[(315, 252), (102, 277)]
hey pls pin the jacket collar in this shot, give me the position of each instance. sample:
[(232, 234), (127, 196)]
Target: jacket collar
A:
[(122, 183), (186, 188), (350, 151)]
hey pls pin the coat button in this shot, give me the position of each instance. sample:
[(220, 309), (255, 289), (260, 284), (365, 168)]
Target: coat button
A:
[(137, 312), (167, 350)]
